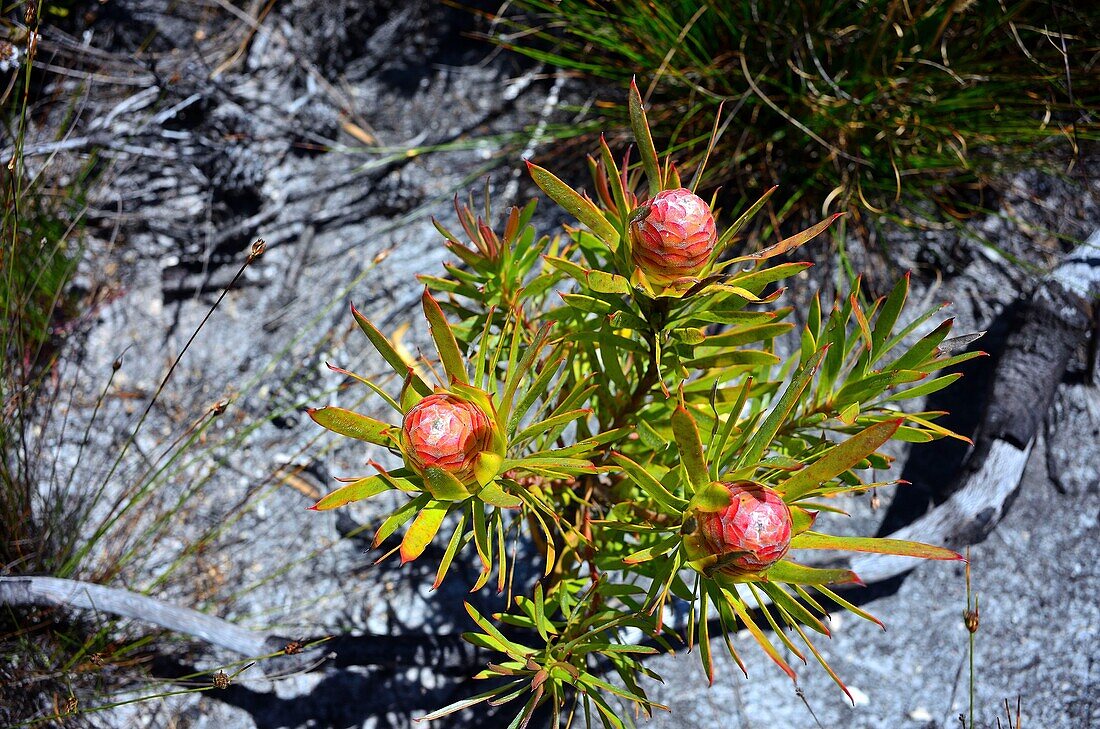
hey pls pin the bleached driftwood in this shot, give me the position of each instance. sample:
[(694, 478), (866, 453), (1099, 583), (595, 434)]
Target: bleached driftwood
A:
[(1055, 322)]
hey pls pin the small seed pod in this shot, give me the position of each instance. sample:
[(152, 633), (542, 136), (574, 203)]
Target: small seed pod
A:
[(444, 431), (672, 235), (752, 533), (972, 618)]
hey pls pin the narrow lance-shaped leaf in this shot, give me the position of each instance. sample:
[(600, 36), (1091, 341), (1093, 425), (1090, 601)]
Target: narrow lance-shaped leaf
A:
[(364, 488), (445, 343), (452, 549), (648, 483), (902, 547), (399, 365), (888, 316), (640, 126), (762, 438), (614, 178), (838, 459), (352, 425), (793, 607), (787, 571), (444, 486), (575, 204), (422, 531), (923, 349), (791, 243), (925, 388), (739, 608), (400, 515), (690, 444), (729, 233), (375, 388)]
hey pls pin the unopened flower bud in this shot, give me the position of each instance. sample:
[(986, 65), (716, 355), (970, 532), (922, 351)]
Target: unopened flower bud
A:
[(444, 431), (752, 533), (672, 235)]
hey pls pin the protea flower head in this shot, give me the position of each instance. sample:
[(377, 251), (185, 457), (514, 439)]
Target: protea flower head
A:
[(672, 235), (752, 533), (447, 432)]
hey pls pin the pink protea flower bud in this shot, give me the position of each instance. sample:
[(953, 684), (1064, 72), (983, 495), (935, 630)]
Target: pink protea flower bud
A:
[(672, 235), (447, 432), (754, 531)]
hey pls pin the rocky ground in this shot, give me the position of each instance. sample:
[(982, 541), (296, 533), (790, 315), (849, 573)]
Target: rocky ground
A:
[(217, 129)]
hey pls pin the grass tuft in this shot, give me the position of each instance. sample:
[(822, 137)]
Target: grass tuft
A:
[(880, 107)]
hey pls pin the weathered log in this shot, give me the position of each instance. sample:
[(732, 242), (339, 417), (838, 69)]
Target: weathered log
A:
[(1057, 319), (446, 653)]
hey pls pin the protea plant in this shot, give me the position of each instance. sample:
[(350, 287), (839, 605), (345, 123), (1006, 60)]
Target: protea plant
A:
[(613, 398)]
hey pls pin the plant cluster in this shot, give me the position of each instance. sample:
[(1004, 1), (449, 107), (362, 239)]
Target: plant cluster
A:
[(864, 104), (612, 399)]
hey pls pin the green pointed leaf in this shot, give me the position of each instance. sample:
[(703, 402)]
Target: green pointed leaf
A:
[(888, 316), (552, 423), (793, 607), (607, 283), (353, 425), (728, 235), (422, 531), (748, 335), (444, 486), (574, 270), (923, 349), (653, 551), (445, 343), (375, 388), (798, 574), (901, 547), (649, 484), (710, 497), (487, 466), (640, 126), (801, 519), (925, 388), (575, 204), (449, 554), (872, 386), (686, 433), (364, 488), (849, 606), (838, 459), (793, 242), (734, 358), (390, 354), (399, 517), (762, 438), (472, 701), (517, 651), (757, 633), (494, 495)]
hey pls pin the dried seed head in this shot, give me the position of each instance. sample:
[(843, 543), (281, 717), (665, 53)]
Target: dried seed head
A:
[(971, 618), (672, 235), (221, 680), (70, 705), (444, 431), (752, 533), (293, 648)]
